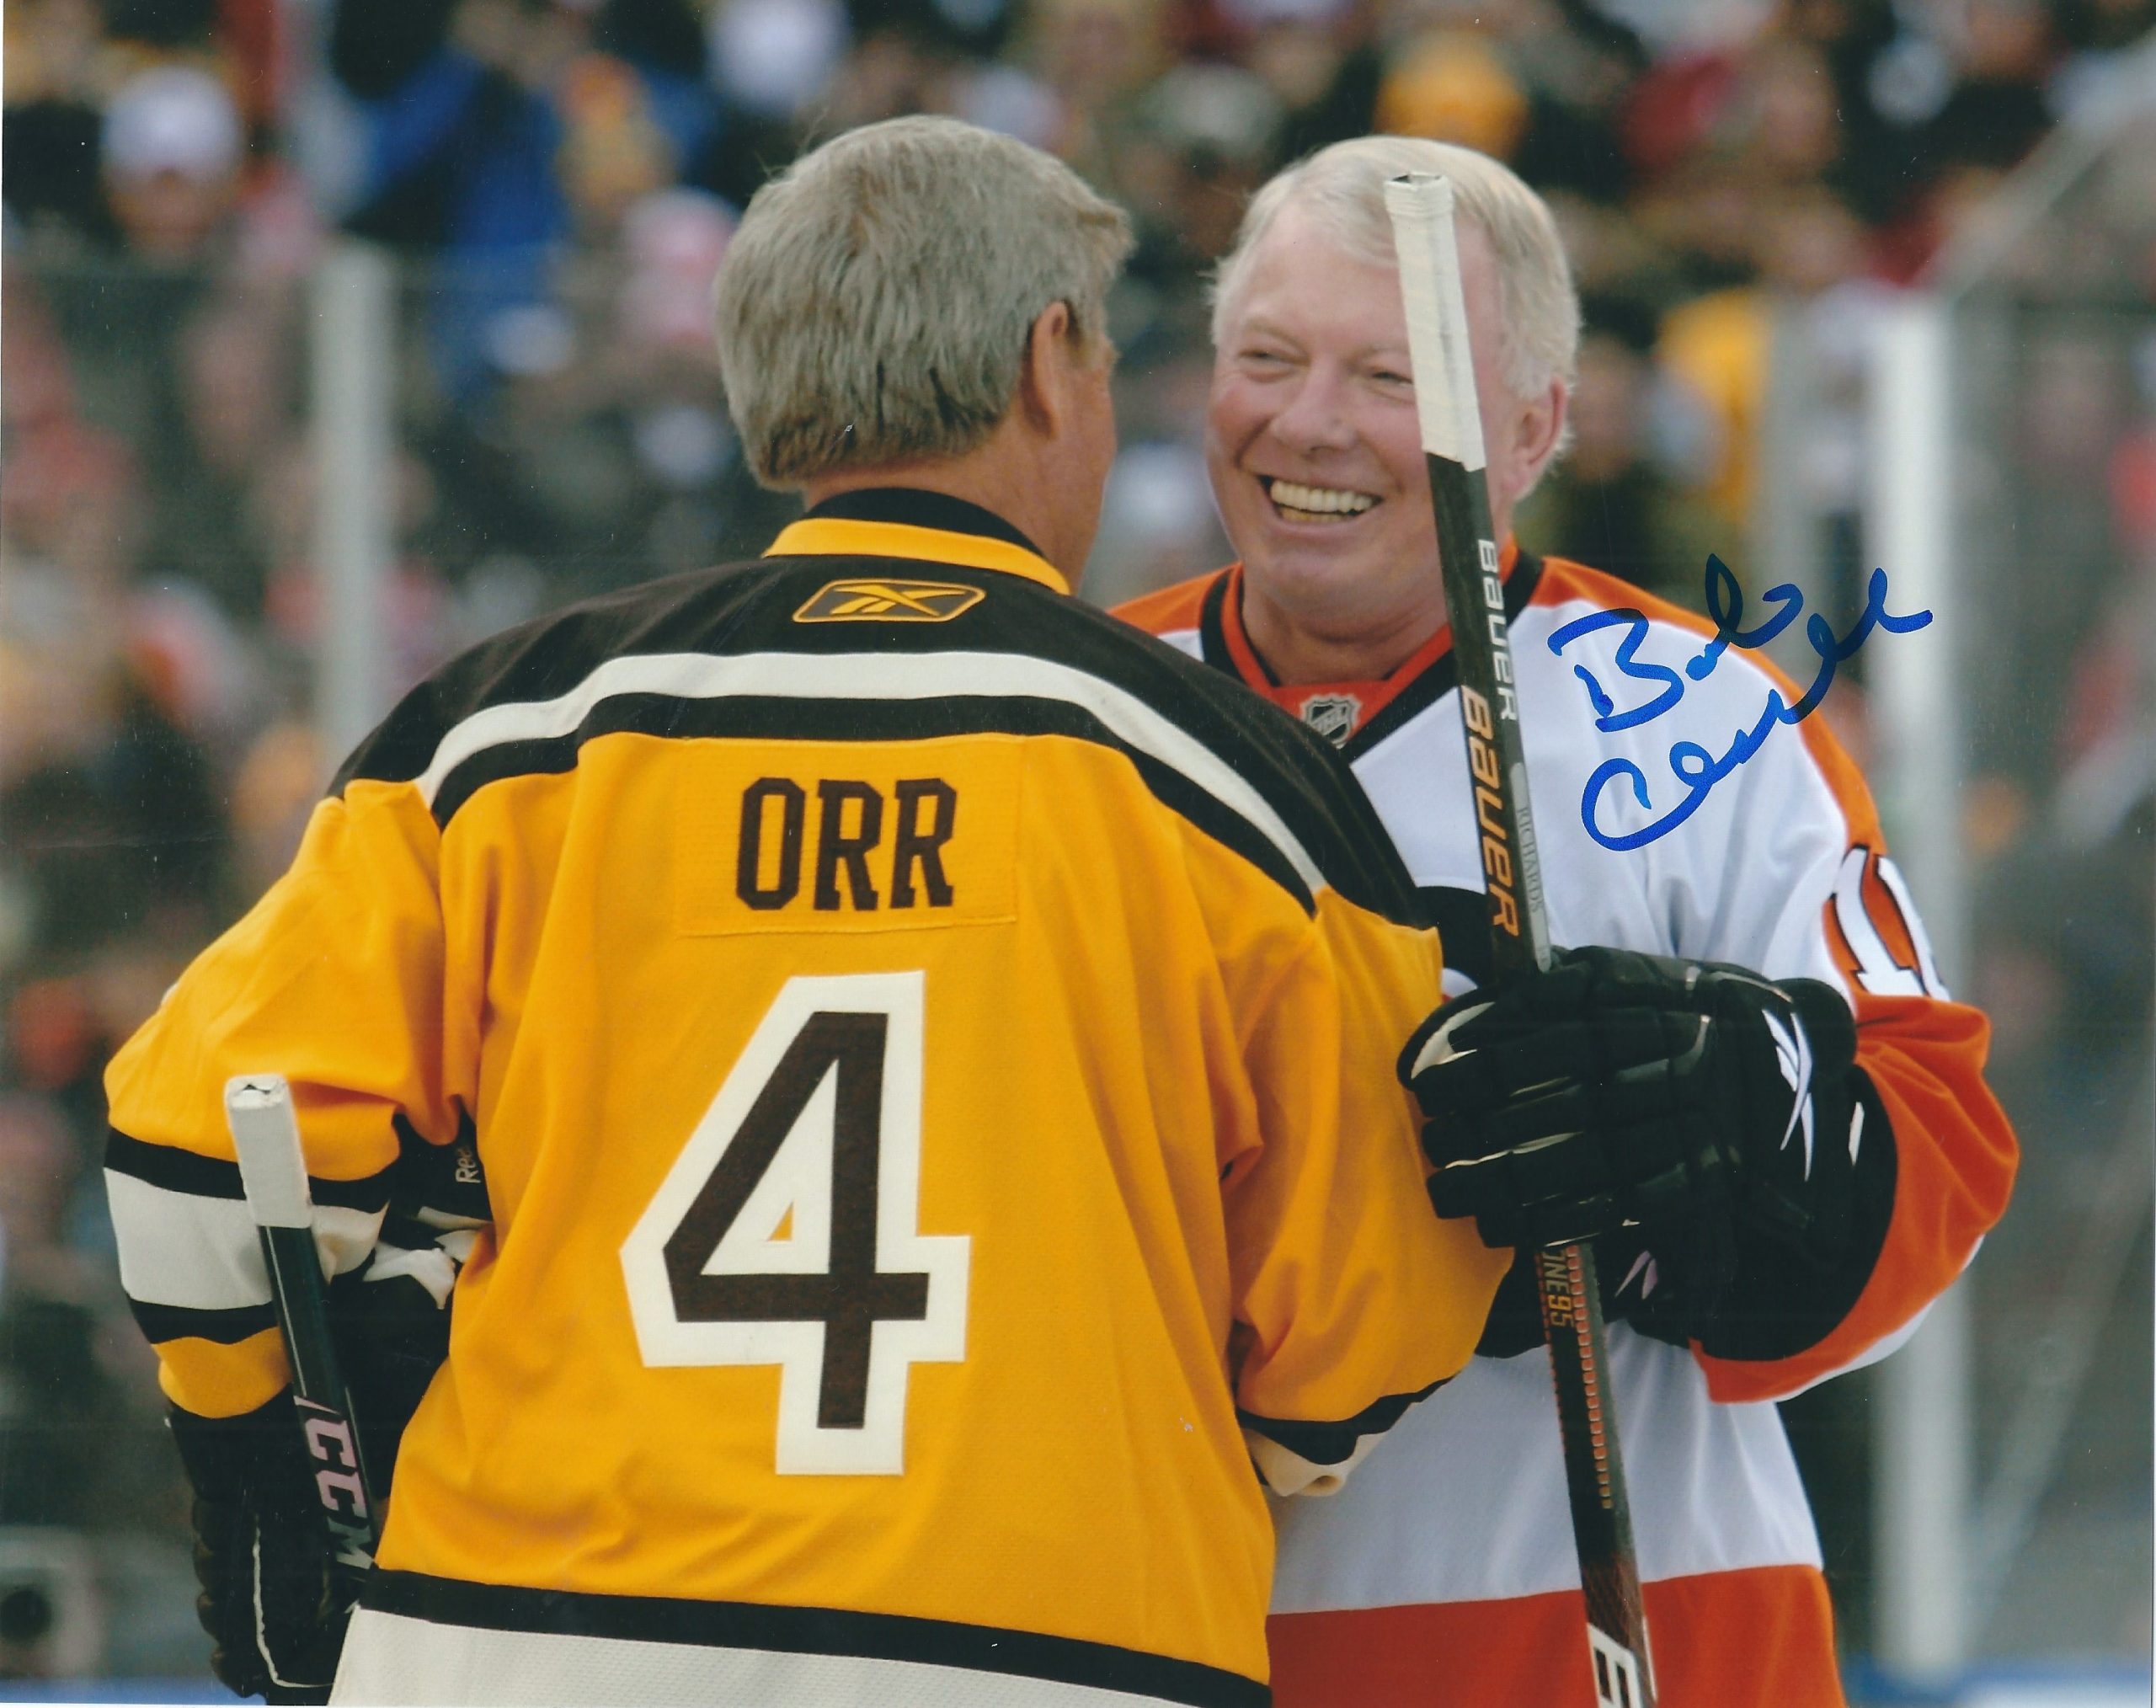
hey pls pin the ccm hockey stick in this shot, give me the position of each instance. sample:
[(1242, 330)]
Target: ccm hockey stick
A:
[(258, 1109), (1421, 207)]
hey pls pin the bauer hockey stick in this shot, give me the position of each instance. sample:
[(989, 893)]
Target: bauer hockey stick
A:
[(1421, 207), (266, 1135)]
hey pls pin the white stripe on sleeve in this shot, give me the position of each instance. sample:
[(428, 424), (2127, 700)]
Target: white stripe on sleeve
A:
[(180, 1248)]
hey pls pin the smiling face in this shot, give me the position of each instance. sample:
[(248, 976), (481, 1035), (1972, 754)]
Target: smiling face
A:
[(1317, 457)]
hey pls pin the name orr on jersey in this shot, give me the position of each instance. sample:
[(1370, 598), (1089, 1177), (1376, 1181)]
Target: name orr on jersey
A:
[(770, 851)]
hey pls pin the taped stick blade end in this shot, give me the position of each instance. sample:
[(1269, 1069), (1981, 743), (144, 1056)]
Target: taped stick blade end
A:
[(1419, 206), (1420, 195), (266, 1137)]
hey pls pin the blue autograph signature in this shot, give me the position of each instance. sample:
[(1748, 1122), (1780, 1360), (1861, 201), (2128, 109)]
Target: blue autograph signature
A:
[(1694, 766)]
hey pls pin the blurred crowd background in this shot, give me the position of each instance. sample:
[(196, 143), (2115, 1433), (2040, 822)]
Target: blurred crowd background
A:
[(1744, 187)]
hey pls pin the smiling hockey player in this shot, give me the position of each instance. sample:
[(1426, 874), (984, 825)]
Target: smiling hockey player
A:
[(1754, 1094)]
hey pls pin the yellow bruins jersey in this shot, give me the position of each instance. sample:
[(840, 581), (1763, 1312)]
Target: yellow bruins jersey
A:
[(932, 1053)]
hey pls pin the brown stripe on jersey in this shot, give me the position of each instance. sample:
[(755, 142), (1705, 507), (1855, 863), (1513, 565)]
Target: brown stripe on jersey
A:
[(209, 1177), (814, 1630), (160, 1323), (766, 718), (173, 1169), (750, 609), (170, 1169), (1226, 643)]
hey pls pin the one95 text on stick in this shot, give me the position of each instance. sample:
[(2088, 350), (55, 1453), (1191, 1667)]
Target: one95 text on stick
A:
[(273, 1171), (1421, 209)]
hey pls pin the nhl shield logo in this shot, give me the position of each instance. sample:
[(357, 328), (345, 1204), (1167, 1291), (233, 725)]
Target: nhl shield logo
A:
[(1333, 715)]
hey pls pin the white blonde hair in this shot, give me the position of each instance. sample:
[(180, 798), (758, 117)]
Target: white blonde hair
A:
[(874, 304), (1342, 189)]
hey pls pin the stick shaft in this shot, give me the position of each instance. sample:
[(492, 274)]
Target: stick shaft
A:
[(1572, 1311), (265, 1137)]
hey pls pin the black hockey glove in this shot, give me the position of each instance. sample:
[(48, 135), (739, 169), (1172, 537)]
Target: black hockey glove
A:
[(1679, 1106), (1632, 1285), (262, 1554), (391, 1315)]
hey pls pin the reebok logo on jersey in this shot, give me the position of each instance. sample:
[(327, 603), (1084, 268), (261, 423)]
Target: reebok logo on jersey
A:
[(873, 600)]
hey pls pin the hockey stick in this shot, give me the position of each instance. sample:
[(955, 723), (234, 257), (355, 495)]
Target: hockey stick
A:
[(1421, 207), (258, 1109)]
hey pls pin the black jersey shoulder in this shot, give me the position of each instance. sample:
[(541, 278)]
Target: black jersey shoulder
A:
[(548, 656), (1297, 771), (782, 605)]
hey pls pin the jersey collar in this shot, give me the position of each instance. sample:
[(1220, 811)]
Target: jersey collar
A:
[(1352, 714), (928, 527)]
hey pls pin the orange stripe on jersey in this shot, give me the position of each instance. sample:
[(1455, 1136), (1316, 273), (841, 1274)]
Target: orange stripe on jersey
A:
[(1762, 1638), (1169, 608), (1887, 918), (1562, 579)]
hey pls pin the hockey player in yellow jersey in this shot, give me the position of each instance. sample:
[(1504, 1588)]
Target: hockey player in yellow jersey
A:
[(930, 1047)]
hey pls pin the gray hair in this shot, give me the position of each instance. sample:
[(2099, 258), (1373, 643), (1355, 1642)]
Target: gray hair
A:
[(1342, 189), (874, 304)]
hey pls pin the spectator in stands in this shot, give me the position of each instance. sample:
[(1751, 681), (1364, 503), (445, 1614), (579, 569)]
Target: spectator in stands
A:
[(80, 1449), (491, 122), (56, 1398), (1997, 108), (49, 137), (236, 365), (1610, 496), (110, 826), (194, 242), (172, 154)]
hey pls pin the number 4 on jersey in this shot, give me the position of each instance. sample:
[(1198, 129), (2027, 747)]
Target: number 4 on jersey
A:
[(786, 1232)]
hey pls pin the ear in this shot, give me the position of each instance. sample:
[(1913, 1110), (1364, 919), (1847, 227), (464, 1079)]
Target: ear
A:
[(1537, 431), (1044, 379), (1521, 445)]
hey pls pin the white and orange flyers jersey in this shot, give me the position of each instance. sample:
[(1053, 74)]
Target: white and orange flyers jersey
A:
[(1446, 1574)]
